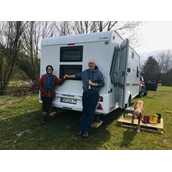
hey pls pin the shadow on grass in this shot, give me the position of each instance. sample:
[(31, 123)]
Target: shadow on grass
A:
[(128, 137), (149, 97), (24, 132)]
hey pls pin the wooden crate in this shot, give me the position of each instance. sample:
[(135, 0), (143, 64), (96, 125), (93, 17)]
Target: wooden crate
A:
[(96, 124), (126, 122), (52, 113)]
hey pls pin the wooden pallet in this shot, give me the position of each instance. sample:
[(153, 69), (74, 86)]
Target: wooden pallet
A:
[(96, 124), (126, 122), (52, 113)]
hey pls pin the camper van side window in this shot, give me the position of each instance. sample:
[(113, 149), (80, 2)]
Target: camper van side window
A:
[(71, 54), (137, 72)]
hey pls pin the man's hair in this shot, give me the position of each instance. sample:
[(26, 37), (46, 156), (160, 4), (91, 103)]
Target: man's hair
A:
[(92, 60)]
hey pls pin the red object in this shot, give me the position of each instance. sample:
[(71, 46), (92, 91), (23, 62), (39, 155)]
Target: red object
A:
[(145, 119), (99, 107), (148, 119), (71, 44)]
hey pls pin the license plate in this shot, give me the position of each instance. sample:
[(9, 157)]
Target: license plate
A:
[(68, 100)]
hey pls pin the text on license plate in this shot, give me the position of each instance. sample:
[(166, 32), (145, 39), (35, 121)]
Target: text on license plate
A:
[(68, 100)]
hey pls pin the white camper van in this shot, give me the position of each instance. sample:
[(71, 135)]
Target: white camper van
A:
[(117, 61)]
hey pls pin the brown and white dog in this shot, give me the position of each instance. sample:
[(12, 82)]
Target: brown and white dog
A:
[(138, 112)]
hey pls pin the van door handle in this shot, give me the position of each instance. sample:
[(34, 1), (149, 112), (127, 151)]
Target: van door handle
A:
[(123, 73)]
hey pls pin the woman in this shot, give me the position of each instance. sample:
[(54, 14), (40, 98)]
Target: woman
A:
[(47, 85)]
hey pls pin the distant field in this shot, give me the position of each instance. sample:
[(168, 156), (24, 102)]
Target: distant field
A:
[(20, 127)]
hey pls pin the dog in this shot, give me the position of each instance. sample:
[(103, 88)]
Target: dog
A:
[(138, 113)]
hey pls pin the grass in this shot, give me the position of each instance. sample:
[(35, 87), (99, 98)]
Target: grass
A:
[(20, 128)]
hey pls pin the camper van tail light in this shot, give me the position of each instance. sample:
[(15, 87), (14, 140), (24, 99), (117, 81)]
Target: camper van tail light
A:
[(99, 107), (71, 44), (100, 99), (113, 37)]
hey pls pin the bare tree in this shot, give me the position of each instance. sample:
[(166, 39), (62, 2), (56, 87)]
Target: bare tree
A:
[(47, 28), (28, 60), (63, 28), (106, 25), (126, 29), (82, 27), (129, 29), (165, 60), (9, 49)]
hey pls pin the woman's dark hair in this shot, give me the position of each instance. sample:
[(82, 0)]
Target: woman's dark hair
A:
[(50, 67)]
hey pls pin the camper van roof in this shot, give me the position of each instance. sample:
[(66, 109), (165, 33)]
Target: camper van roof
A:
[(97, 36)]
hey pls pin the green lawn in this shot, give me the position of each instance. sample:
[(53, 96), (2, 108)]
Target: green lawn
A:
[(20, 128)]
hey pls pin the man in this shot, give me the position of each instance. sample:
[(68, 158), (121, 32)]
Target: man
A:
[(92, 80)]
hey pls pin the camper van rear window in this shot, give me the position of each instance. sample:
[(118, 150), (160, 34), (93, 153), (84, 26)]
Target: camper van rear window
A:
[(70, 70), (71, 54)]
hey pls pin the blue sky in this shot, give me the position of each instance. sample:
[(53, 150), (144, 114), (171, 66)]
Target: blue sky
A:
[(156, 35)]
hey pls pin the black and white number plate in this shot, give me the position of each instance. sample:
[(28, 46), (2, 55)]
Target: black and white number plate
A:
[(68, 100)]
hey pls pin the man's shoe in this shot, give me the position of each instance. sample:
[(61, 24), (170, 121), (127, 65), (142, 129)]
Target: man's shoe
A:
[(79, 133), (85, 135)]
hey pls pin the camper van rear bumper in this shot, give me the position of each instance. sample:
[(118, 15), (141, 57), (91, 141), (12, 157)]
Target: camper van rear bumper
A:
[(75, 107), (74, 102), (68, 107)]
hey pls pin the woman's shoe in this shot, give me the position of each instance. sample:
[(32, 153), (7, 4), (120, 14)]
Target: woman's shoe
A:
[(43, 120)]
